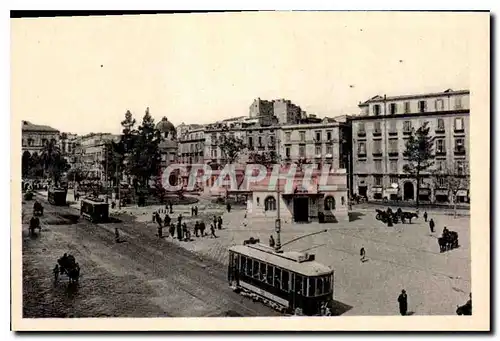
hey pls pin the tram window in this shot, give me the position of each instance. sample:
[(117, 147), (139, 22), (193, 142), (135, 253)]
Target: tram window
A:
[(270, 274), (249, 267), (262, 272), (256, 269), (298, 284), (243, 264), (311, 286), (285, 280), (328, 284), (319, 286), (277, 278)]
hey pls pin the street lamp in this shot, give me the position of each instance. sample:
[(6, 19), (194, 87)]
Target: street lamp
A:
[(277, 224)]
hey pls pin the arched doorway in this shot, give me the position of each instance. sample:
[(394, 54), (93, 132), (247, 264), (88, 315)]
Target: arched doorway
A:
[(270, 204), (408, 191), (329, 203)]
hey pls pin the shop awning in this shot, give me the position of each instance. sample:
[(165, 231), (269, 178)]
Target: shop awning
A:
[(441, 192), (425, 191), (462, 193), (391, 190), (377, 189)]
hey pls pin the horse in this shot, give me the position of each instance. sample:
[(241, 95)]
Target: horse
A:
[(408, 215), (37, 209), (35, 224), (70, 267), (448, 241)]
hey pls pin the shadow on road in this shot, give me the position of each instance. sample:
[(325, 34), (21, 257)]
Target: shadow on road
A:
[(339, 308), (353, 216)]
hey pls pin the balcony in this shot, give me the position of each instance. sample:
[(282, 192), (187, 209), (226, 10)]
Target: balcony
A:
[(377, 154), (377, 133), (406, 132), (459, 130), (440, 152), (393, 154), (316, 141), (393, 133), (440, 130), (361, 133), (361, 155), (460, 151)]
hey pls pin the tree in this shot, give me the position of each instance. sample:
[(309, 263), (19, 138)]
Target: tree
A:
[(419, 154), (114, 155), (35, 166), (453, 179), (76, 174), (53, 163), (231, 148), (26, 164), (268, 158), (144, 159)]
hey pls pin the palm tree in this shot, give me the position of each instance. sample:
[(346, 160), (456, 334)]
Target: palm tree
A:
[(52, 161)]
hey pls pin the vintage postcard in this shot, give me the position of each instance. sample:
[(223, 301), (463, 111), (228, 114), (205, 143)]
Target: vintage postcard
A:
[(251, 171)]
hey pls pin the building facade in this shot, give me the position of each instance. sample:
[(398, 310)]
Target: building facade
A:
[(35, 137), (192, 145), (379, 136)]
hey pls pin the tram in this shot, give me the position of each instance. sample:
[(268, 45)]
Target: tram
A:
[(57, 196), (94, 209), (285, 281)]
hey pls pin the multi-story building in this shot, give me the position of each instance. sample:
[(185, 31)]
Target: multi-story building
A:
[(192, 145), (280, 111), (35, 137), (168, 146), (379, 135), (90, 154)]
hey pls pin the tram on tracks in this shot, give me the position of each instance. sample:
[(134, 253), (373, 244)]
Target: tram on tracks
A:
[(285, 281), (96, 210), (57, 196)]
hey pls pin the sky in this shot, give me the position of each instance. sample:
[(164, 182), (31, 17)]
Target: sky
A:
[(81, 75)]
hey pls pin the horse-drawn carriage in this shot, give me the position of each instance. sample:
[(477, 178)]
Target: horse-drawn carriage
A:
[(34, 224), (67, 265), (448, 241), (57, 196), (37, 209), (395, 217)]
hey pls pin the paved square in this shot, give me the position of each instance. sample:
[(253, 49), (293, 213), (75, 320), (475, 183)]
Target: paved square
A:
[(405, 256)]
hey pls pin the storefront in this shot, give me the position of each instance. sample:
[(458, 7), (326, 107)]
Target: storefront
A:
[(462, 196), (391, 193), (441, 196), (377, 193), (424, 194)]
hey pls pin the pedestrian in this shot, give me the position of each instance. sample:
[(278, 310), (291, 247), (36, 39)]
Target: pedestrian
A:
[(184, 231), (202, 228), (171, 230), (167, 220), (179, 231), (196, 210), (219, 223), (171, 207), (271, 241), (431, 225), (192, 211), (403, 303), (56, 272), (117, 235), (160, 231), (212, 230), (159, 221), (196, 228), (362, 253), (179, 219), (215, 221), (425, 216), (113, 204), (228, 207)]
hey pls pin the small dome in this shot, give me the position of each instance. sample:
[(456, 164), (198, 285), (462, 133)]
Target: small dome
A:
[(165, 126)]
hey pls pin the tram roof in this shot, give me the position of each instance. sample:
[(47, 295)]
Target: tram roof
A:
[(307, 268), (95, 202)]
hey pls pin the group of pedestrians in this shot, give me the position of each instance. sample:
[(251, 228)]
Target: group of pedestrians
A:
[(181, 231)]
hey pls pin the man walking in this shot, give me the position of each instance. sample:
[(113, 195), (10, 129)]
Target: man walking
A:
[(431, 225), (403, 303), (362, 253), (425, 216)]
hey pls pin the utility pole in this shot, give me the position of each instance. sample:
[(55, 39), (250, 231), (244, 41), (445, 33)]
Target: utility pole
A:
[(106, 172), (278, 219)]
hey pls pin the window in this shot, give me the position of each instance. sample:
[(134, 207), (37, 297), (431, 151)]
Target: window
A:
[(376, 109), (329, 135), (287, 152), (250, 267), (361, 129), (318, 136), (459, 124), (299, 284), (440, 124), (285, 280), (377, 180), (460, 167), (329, 149), (439, 105), (422, 106), (458, 102), (393, 164), (440, 165), (378, 166), (407, 107), (214, 152), (329, 203), (270, 274), (44, 142), (302, 151), (393, 179), (302, 136), (393, 108), (393, 146), (440, 146), (277, 278), (441, 182), (30, 142), (270, 204), (407, 126), (361, 148), (318, 150), (287, 136), (377, 147), (459, 145), (260, 141), (376, 128), (271, 140), (250, 141), (320, 286), (393, 127), (311, 287)]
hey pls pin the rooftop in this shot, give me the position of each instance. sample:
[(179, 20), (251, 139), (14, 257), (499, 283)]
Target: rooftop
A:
[(379, 98), (28, 126)]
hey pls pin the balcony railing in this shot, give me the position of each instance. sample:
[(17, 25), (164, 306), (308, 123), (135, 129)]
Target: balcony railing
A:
[(439, 130), (460, 151), (377, 133), (361, 155), (392, 133), (393, 154), (377, 154), (440, 152), (406, 132), (361, 133)]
